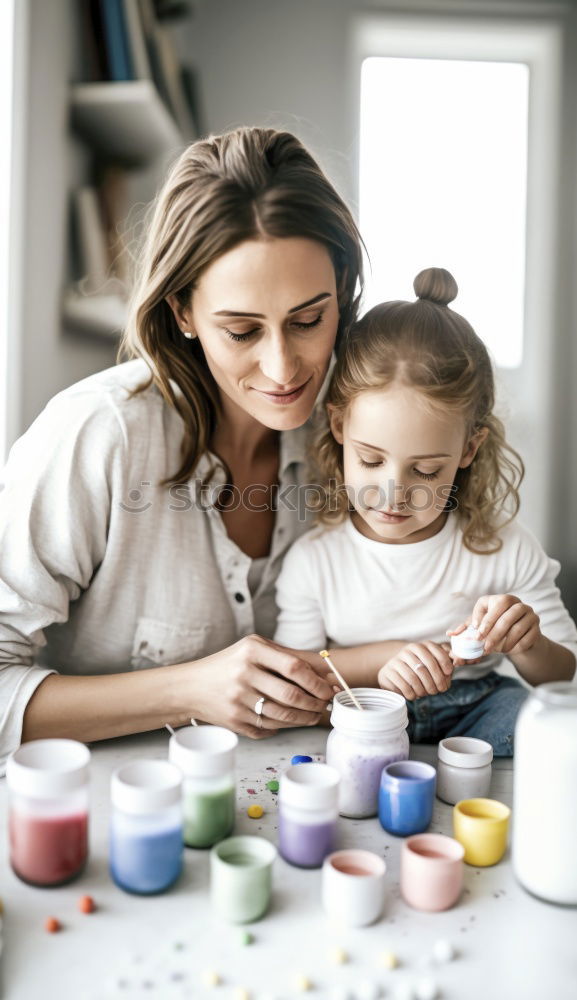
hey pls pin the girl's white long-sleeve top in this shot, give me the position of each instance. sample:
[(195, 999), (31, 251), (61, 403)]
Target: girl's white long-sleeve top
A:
[(339, 587), (103, 570)]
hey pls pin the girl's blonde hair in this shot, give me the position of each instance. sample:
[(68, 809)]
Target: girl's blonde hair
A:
[(426, 345), (247, 184)]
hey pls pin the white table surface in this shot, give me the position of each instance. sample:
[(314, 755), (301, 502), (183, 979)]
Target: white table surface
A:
[(510, 946)]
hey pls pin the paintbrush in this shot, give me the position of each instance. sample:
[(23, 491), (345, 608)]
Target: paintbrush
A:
[(325, 655)]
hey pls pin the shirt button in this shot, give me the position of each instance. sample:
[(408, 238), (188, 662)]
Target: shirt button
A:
[(239, 597)]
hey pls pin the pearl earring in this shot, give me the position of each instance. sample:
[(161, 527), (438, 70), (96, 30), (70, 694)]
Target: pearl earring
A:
[(188, 334)]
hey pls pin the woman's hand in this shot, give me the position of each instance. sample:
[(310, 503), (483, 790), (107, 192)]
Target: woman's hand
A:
[(224, 688), (504, 623), (420, 668)]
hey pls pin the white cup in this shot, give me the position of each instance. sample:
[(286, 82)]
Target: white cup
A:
[(353, 887)]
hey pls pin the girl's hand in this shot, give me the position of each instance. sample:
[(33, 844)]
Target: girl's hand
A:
[(420, 668), (505, 624), (224, 688)]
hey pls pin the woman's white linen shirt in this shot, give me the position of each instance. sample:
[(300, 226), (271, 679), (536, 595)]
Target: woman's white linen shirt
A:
[(101, 569)]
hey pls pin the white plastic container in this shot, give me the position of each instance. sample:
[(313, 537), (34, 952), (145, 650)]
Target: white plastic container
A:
[(467, 645), (48, 813), (544, 839), (463, 769), (362, 742), (146, 826), (206, 757), (308, 806)]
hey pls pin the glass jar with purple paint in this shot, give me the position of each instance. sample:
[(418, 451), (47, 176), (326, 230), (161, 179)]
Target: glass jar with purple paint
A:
[(308, 806), (362, 742)]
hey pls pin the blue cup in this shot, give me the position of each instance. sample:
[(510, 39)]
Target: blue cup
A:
[(406, 797)]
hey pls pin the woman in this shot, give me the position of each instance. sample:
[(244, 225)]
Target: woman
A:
[(146, 511)]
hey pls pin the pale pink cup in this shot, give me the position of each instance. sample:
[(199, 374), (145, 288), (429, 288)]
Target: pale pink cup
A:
[(431, 871)]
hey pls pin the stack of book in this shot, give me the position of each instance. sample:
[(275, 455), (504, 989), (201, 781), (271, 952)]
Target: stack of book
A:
[(127, 40)]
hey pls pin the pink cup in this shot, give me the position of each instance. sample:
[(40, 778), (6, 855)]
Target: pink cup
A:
[(431, 871)]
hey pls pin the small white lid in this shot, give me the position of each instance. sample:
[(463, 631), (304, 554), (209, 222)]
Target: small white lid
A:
[(310, 786), (383, 711), (146, 786), (48, 768), (467, 645), (464, 751), (203, 751)]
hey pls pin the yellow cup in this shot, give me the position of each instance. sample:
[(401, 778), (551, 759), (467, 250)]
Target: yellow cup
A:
[(481, 826)]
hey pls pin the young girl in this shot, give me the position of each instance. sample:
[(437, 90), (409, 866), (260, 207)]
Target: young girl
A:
[(420, 492)]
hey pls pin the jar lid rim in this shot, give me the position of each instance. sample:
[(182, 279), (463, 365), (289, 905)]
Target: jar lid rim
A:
[(557, 693), (383, 711)]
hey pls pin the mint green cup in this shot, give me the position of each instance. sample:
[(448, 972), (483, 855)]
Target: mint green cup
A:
[(241, 878)]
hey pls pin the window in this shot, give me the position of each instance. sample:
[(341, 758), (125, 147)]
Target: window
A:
[(443, 182)]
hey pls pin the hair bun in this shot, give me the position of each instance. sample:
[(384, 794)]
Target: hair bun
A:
[(436, 285)]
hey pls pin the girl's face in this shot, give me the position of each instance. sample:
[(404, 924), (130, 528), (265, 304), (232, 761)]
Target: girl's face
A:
[(400, 460), (266, 315)]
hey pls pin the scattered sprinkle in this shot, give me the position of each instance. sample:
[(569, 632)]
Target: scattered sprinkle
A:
[(86, 904), (340, 993), (403, 991), (255, 812), (273, 769), (368, 990), (301, 758), (339, 956), (245, 938), (251, 791), (443, 951), (426, 989), (179, 945), (389, 959), (210, 977), (303, 984), (272, 786), (52, 925)]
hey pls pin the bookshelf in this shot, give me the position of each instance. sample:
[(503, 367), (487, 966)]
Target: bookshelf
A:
[(126, 121), (131, 115), (97, 314)]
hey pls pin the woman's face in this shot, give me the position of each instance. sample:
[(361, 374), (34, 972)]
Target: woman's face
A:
[(266, 315)]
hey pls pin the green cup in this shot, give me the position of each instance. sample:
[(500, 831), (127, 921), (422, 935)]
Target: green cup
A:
[(241, 878)]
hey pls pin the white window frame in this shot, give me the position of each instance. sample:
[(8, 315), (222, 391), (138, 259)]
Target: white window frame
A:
[(538, 44)]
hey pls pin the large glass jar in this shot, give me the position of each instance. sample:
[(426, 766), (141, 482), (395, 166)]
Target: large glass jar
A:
[(363, 742), (48, 813), (545, 793)]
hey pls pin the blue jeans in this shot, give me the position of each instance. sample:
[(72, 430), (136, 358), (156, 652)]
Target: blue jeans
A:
[(486, 709)]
